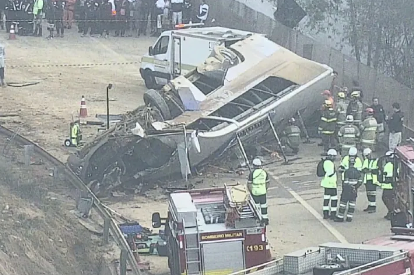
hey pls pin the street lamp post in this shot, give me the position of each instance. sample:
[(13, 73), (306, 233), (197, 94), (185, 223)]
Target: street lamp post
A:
[(107, 105)]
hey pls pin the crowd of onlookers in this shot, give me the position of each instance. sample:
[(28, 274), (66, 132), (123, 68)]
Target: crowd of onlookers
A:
[(98, 17)]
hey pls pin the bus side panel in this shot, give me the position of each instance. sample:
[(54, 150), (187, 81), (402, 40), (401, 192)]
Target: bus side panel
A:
[(255, 250)]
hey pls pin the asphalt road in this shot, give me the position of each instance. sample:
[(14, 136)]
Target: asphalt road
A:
[(295, 208)]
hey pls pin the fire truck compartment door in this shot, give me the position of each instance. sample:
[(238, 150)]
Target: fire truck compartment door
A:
[(222, 258)]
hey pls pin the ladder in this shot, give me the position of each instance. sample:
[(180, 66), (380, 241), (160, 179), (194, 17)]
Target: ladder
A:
[(192, 252)]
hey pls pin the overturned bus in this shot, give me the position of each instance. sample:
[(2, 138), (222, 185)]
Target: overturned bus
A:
[(230, 99)]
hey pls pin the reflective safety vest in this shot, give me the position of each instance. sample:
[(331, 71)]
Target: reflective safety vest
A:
[(388, 179), (327, 125), (259, 182), (75, 131), (352, 176), (348, 136), (293, 134), (370, 164), (341, 107), (369, 130), (330, 178), (345, 164)]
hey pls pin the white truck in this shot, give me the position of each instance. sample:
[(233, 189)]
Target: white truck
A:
[(188, 47)]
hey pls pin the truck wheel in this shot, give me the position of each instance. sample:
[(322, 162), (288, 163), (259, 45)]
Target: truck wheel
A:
[(327, 269), (67, 143), (154, 99), (149, 79)]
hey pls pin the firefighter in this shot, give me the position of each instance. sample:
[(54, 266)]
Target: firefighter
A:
[(341, 107), (74, 133), (370, 174), (351, 157), (328, 96), (387, 183), (348, 135), (369, 130), (291, 136), (330, 195), (355, 108), (258, 183), (352, 181), (327, 126)]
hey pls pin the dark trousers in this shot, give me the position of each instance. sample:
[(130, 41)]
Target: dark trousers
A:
[(60, 28), (330, 202), (1, 74), (371, 189), (348, 198), (121, 24), (328, 141), (261, 202), (143, 22), (90, 23), (388, 199), (104, 26)]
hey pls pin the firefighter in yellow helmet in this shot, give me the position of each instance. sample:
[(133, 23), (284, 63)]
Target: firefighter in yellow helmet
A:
[(327, 126), (355, 108), (341, 107)]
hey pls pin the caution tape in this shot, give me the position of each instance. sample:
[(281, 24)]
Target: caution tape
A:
[(73, 65)]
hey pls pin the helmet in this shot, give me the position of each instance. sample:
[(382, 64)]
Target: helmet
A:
[(257, 162), (367, 151), (355, 94), (292, 120), (328, 103), (353, 151), (345, 89), (332, 152), (341, 95), (327, 92), (349, 118), (389, 154), (369, 111)]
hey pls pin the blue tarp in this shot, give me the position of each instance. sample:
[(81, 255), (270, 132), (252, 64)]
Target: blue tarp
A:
[(130, 228)]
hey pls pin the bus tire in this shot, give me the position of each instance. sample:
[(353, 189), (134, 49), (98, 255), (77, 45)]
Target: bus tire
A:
[(149, 79), (154, 99)]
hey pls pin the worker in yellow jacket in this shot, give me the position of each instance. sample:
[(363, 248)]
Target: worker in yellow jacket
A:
[(370, 170)]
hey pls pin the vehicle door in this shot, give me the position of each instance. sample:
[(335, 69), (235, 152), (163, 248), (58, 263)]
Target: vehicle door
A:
[(161, 54)]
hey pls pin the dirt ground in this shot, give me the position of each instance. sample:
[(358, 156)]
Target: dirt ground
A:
[(46, 109)]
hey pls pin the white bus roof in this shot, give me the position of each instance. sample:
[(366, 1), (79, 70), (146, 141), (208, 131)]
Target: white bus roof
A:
[(213, 33)]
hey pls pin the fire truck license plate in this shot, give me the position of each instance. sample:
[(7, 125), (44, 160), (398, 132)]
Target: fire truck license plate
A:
[(257, 247)]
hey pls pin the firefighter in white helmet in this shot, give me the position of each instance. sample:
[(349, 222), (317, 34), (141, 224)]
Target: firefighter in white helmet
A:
[(329, 184), (370, 171), (258, 183), (348, 135)]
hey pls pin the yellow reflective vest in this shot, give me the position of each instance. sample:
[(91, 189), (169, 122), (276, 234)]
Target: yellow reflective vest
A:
[(259, 182), (330, 178), (370, 164), (389, 178)]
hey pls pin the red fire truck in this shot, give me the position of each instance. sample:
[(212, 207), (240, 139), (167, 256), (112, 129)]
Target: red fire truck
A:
[(213, 231)]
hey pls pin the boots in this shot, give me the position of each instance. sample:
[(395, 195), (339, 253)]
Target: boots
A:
[(388, 216)]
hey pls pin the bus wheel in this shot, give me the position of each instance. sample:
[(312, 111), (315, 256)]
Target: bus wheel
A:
[(154, 99)]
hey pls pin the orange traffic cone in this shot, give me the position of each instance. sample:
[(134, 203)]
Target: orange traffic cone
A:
[(12, 34), (83, 110)]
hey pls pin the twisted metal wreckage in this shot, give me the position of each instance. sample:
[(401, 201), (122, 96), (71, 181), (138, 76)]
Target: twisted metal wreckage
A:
[(228, 99)]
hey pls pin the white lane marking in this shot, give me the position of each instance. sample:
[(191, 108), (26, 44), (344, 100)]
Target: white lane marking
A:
[(306, 205)]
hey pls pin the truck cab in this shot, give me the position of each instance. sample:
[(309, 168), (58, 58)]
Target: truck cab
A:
[(177, 52), (213, 231)]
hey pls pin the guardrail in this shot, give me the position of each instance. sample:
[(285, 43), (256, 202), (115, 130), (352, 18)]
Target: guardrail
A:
[(269, 268), (110, 224)]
